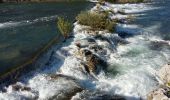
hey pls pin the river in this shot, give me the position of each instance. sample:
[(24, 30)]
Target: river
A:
[(132, 70), (27, 27)]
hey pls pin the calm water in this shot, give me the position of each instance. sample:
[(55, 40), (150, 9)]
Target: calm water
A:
[(25, 28)]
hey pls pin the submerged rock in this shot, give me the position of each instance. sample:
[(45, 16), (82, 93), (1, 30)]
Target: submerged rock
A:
[(61, 76), (113, 39), (73, 87), (85, 42), (96, 47), (94, 95), (126, 31), (20, 87), (67, 95), (19, 91)]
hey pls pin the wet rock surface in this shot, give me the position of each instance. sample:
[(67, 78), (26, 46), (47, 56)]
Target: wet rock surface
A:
[(18, 87), (159, 45), (158, 94), (92, 95), (163, 92), (164, 73), (93, 62), (64, 94)]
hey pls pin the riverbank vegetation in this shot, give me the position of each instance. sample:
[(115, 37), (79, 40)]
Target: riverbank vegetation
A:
[(122, 1), (64, 26), (97, 21)]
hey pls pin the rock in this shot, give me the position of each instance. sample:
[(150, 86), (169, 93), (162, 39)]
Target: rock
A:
[(59, 76), (164, 73), (112, 39), (67, 87), (125, 31), (96, 47), (86, 67), (125, 34), (85, 42), (91, 40), (78, 45), (158, 94), (93, 62), (121, 11), (159, 44), (96, 95), (101, 37), (119, 40), (67, 94), (18, 87), (26, 89), (163, 92), (87, 52)]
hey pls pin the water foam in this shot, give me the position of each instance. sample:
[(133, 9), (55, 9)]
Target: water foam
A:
[(26, 22)]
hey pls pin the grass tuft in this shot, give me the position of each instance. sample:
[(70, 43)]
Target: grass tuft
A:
[(124, 1), (64, 26)]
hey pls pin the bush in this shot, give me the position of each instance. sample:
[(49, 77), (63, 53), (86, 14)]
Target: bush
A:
[(96, 21), (64, 27), (125, 1)]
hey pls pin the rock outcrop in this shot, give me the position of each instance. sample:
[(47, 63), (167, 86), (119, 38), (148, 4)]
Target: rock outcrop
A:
[(164, 73), (73, 88), (93, 63), (163, 92), (159, 94)]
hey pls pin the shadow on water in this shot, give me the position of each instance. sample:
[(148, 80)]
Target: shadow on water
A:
[(32, 38), (158, 17), (39, 64)]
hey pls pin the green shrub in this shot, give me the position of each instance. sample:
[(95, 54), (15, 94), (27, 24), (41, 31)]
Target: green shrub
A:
[(125, 1), (96, 21), (168, 83), (64, 26)]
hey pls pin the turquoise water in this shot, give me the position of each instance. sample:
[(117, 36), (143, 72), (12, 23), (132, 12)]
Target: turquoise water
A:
[(27, 27)]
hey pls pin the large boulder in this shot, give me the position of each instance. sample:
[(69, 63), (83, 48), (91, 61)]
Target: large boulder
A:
[(159, 94), (70, 90), (93, 63), (163, 92), (164, 73)]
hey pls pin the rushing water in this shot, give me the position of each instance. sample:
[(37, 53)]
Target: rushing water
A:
[(132, 67), (27, 27)]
